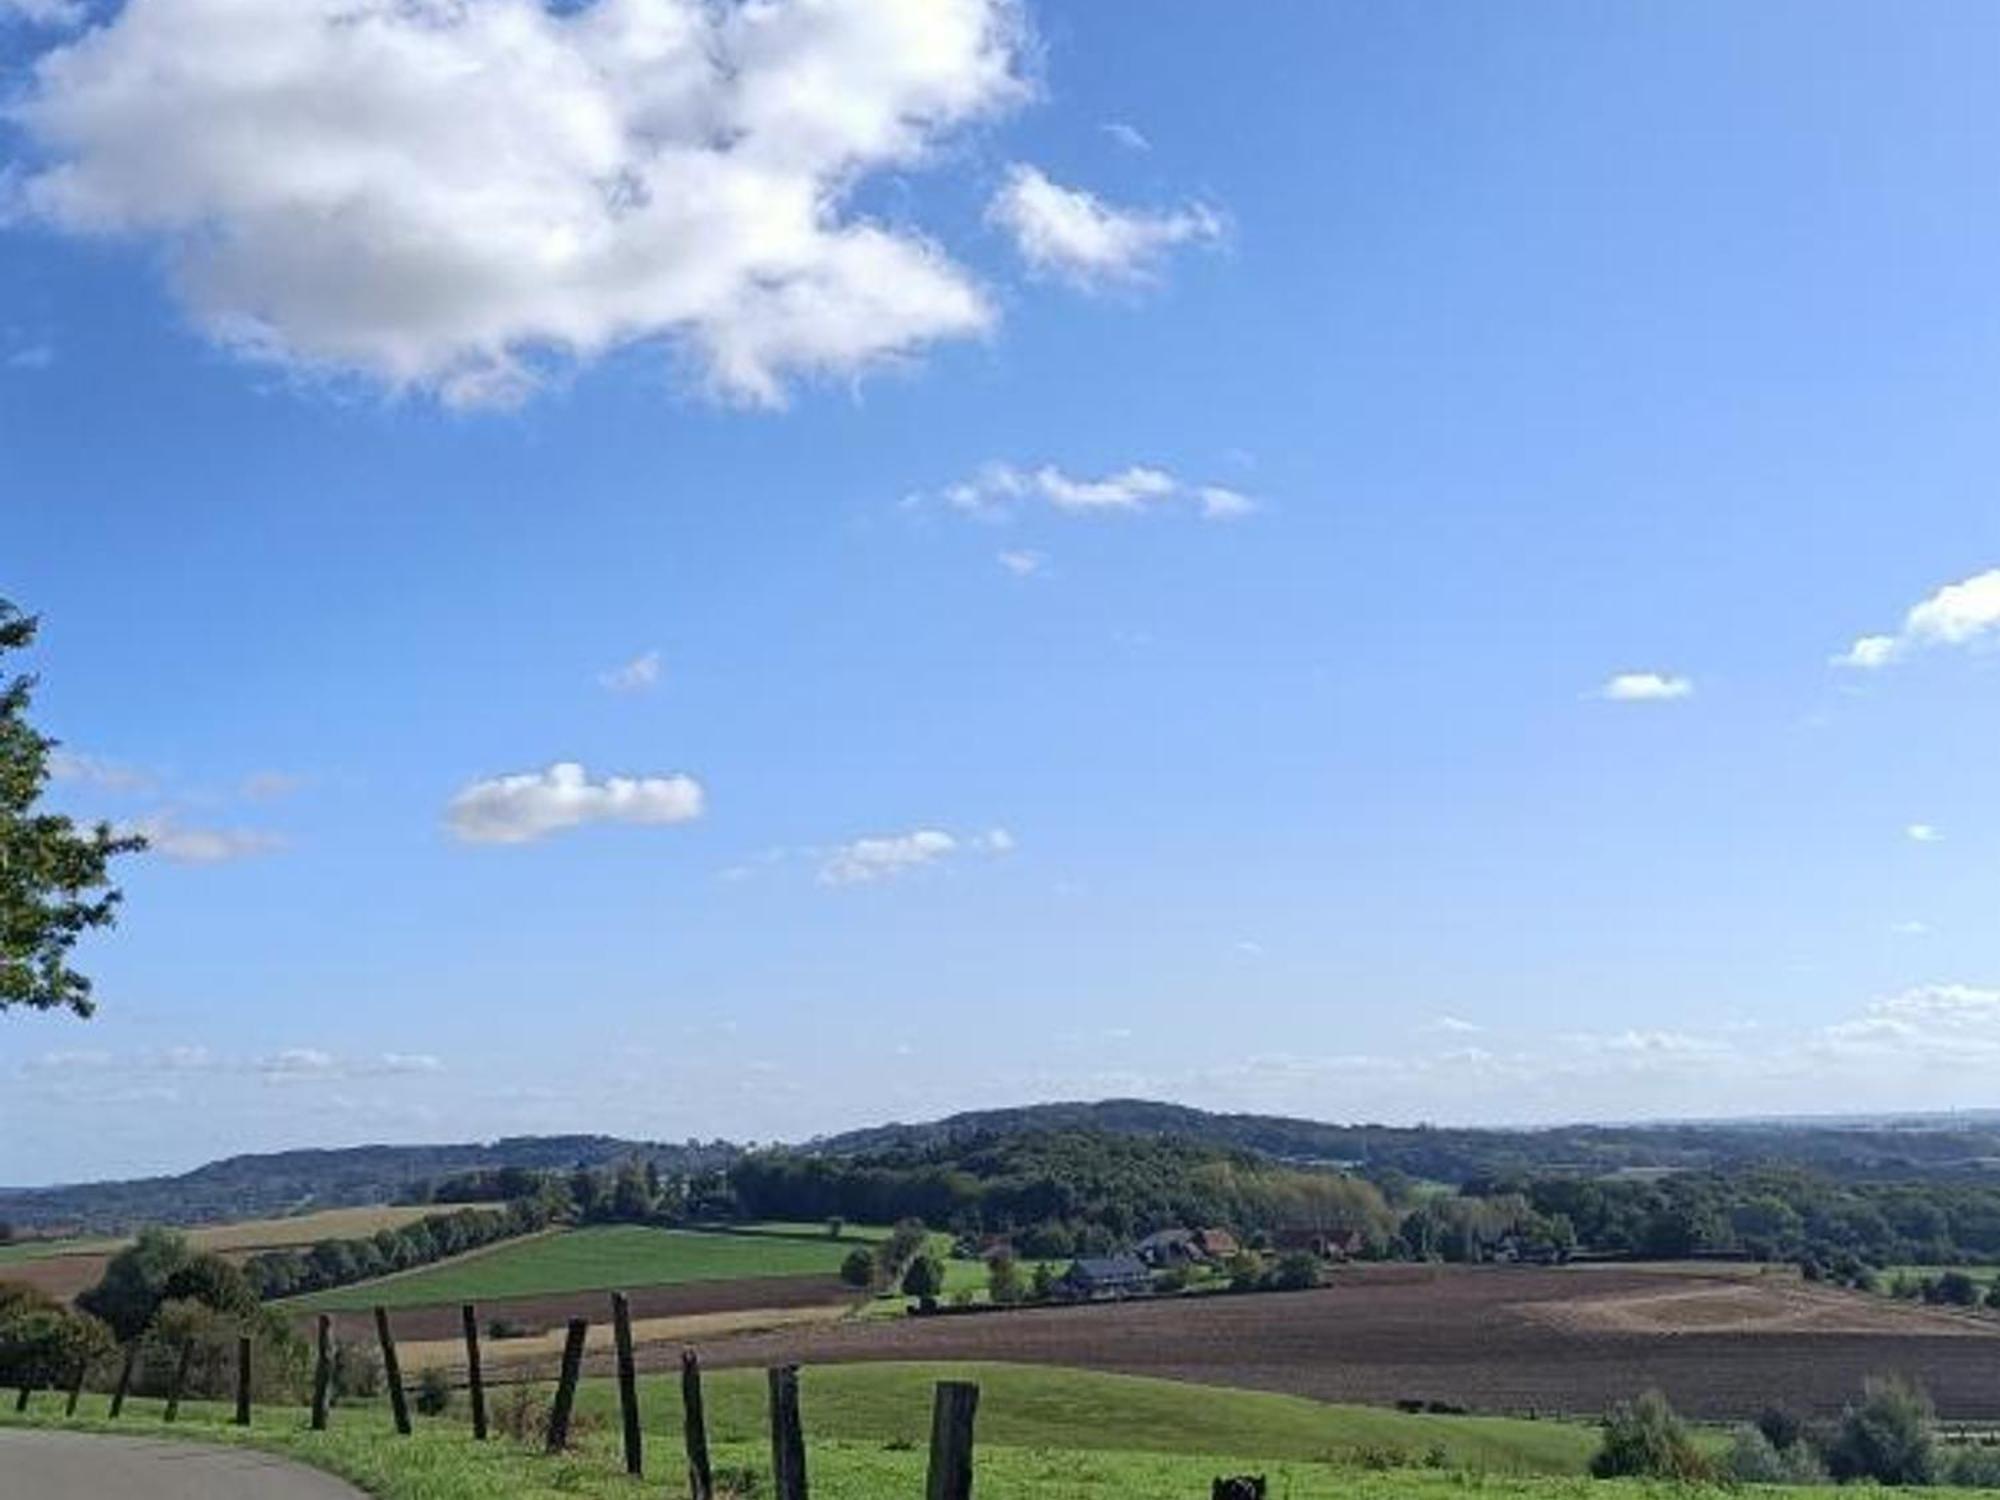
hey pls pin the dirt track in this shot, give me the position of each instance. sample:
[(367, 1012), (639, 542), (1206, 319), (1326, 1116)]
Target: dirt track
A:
[(1497, 1339)]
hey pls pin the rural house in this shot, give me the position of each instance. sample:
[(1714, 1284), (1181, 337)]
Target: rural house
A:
[(1169, 1247), (1217, 1244), (1093, 1277)]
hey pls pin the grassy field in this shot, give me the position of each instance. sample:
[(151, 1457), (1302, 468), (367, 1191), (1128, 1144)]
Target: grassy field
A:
[(588, 1260), (441, 1462), (27, 1250), (251, 1234)]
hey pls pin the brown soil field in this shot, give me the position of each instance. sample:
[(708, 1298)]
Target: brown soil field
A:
[(59, 1276), (1498, 1339), (440, 1321)]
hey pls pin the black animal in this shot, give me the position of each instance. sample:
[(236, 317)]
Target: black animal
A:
[(1241, 1487)]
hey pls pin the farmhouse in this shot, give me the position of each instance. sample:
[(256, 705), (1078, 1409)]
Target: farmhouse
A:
[(1327, 1244), (1170, 1247), (1217, 1244), (1104, 1276)]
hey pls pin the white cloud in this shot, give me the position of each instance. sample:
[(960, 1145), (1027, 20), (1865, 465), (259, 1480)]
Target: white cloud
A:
[(1072, 233), (299, 1062), (410, 1062), (1645, 687), (459, 195), (167, 836), (521, 808), (96, 771), (1911, 929), (1127, 135), (1453, 1026), (1221, 504), (998, 489), (867, 861), (1923, 833), (638, 675), (1959, 614), (43, 12), (1023, 562)]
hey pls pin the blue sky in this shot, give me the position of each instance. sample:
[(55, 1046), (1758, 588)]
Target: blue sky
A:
[(1101, 543)]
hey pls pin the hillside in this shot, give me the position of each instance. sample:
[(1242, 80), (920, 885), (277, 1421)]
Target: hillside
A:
[(1920, 1147), (255, 1186)]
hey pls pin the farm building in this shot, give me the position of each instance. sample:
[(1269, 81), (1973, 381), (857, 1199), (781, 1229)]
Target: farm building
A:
[(1169, 1247), (1217, 1244), (1327, 1244), (1093, 1277)]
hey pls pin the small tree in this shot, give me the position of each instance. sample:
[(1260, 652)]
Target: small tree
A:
[(55, 883), (858, 1270), (1643, 1439), (1889, 1437), (1296, 1272), (924, 1280), (835, 1227), (1042, 1284), (1004, 1282), (433, 1392)]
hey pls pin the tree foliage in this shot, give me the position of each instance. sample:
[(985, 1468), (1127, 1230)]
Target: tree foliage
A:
[(55, 882)]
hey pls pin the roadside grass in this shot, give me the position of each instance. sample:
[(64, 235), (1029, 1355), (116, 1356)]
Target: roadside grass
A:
[(1080, 1411), (441, 1462), (591, 1260)]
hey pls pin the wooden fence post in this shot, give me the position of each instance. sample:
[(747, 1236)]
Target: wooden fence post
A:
[(956, 1404), (180, 1380), (572, 1366), (242, 1380), (392, 1372), (475, 1379), (322, 1372), (21, 1401), (125, 1377), (788, 1438), (694, 1426), (628, 1383), (76, 1387)]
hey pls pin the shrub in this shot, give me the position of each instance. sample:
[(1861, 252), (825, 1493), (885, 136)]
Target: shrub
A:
[(507, 1328), (1974, 1468), (738, 1483), (1004, 1282), (1754, 1459), (1644, 1439), (42, 1342), (1042, 1283), (522, 1412), (433, 1392), (1890, 1437), (278, 1356), (858, 1270), (1953, 1289), (1781, 1428), (924, 1279), (1296, 1272), (357, 1371), (1993, 1295)]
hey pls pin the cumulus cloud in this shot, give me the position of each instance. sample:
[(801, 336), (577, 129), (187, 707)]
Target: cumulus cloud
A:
[(867, 861), (1959, 614), (459, 196), (168, 837), (521, 808), (1923, 833), (1074, 234), (638, 675), (1645, 687), (998, 490)]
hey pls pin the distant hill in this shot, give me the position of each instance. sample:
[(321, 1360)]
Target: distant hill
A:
[(243, 1187), (1959, 1146), (1922, 1146)]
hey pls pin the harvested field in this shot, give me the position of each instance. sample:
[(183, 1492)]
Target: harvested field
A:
[(1489, 1339), (539, 1314), (59, 1276)]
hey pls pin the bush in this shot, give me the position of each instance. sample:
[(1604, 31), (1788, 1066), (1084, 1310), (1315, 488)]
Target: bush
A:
[(433, 1392), (1042, 1283), (507, 1328), (278, 1357), (1755, 1459), (1974, 1468), (1890, 1437), (1993, 1295), (1953, 1289), (924, 1279), (1296, 1272), (858, 1270), (522, 1412), (1004, 1282), (1644, 1439), (42, 1342)]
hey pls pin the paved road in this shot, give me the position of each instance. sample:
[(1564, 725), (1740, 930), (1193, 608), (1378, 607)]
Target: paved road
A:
[(38, 1465)]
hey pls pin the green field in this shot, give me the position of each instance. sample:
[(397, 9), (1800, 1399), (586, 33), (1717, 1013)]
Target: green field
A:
[(441, 1462), (47, 1249), (597, 1259)]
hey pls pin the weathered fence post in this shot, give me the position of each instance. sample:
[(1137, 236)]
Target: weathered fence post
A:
[(628, 1383), (21, 1401), (242, 1380), (76, 1387), (694, 1426), (572, 1365), (180, 1380), (322, 1372), (956, 1404), (392, 1372), (788, 1438), (125, 1377), (474, 1378)]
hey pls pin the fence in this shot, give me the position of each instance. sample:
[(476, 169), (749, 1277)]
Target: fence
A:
[(954, 1408)]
